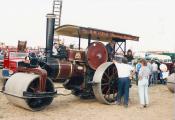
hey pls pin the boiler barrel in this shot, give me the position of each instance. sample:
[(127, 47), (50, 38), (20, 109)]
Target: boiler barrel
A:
[(65, 70), (68, 70), (61, 70)]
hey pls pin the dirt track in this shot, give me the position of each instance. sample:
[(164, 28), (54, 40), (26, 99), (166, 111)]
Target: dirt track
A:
[(162, 104)]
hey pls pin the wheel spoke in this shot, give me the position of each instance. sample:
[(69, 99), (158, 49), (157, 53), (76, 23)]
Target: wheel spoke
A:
[(114, 71), (32, 88), (103, 79), (104, 84), (104, 88), (107, 76), (108, 71), (107, 92)]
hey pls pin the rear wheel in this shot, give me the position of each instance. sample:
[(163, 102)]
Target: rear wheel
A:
[(105, 79)]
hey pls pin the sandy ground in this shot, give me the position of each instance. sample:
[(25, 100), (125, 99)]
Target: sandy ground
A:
[(72, 108)]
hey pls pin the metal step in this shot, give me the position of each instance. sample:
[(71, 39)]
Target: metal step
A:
[(56, 11)]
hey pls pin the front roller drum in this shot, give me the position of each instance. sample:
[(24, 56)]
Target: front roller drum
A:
[(105, 83), (22, 89)]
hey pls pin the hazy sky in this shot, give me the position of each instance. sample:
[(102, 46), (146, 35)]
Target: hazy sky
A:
[(152, 20)]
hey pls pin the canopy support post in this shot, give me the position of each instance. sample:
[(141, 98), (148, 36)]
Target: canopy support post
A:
[(125, 47), (114, 49), (89, 39), (79, 42)]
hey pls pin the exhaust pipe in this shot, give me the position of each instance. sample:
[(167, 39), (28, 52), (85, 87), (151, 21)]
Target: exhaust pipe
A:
[(50, 34)]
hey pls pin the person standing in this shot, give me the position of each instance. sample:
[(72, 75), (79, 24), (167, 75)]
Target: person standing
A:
[(150, 76), (129, 56), (54, 49), (110, 49), (138, 66), (124, 72), (61, 51), (164, 73), (143, 84), (154, 72), (33, 60)]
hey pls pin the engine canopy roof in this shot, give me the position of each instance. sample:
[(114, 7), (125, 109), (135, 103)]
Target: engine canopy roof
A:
[(95, 34)]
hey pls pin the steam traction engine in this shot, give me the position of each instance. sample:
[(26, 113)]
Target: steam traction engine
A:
[(87, 74)]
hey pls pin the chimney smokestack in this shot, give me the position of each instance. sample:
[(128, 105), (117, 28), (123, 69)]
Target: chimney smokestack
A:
[(50, 34)]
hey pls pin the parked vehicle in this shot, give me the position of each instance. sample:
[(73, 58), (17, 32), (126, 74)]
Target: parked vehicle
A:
[(12, 58), (172, 55), (161, 58)]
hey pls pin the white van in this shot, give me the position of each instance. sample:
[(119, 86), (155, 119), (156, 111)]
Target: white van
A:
[(161, 58)]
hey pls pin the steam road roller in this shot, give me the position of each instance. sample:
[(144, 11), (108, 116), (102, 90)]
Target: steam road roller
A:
[(88, 73)]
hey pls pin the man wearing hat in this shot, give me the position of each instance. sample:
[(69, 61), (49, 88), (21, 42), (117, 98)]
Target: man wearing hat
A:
[(61, 51), (110, 50)]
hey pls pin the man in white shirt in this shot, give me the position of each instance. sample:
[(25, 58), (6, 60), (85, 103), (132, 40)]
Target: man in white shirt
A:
[(124, 73), (54, 49), (154, 72)]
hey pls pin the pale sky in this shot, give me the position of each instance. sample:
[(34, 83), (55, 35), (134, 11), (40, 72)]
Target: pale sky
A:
[(152, 20)]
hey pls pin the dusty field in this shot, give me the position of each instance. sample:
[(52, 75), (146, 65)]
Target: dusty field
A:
[(162, 104)]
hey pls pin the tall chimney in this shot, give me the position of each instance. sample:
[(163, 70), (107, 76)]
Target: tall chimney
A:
[(50, 34)]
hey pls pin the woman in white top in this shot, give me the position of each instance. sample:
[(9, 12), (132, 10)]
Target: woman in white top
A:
[(143, 84)]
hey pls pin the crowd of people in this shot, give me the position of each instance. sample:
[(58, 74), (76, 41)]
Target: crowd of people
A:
[(146, 73), (125, 74), (158, 72)]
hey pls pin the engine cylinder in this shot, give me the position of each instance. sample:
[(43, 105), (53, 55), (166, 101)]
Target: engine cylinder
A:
[(76, 55), (78, 70)]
